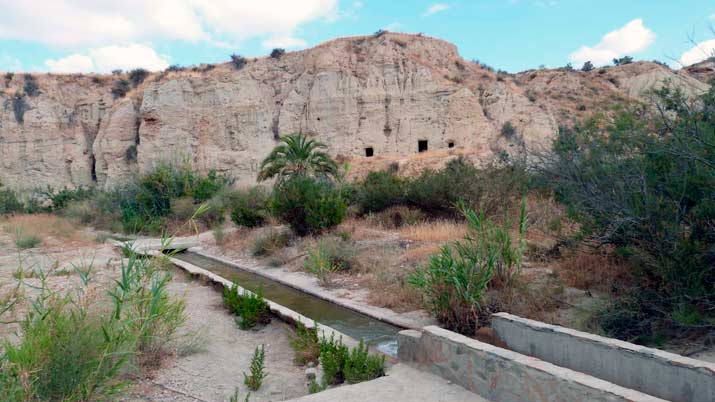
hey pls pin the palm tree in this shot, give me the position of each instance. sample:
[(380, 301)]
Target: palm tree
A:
[(297, 156)]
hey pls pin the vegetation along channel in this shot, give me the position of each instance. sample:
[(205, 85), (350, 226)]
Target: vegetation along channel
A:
[(349, 322)]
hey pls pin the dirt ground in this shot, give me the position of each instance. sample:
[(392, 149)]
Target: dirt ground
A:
[(212, 372), (212, 352)]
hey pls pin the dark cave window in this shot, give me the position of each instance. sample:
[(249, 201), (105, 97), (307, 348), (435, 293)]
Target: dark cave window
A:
[(369, 152), (421, 145), (450, 144)]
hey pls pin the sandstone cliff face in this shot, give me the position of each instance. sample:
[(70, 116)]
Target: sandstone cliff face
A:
[(386, 93)]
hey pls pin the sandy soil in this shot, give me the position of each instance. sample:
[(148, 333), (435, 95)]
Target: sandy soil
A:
[(214, 371)]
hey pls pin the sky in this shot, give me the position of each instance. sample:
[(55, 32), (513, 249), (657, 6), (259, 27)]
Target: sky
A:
[(69, 36)]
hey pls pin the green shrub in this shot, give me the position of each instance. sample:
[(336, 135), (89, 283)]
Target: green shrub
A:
[(644, 184), (307, 205), (67, 351), (203, 188), (249, 207), (362, 366), (60, 199), (137, 76), (305, 344), (121, 88), (489, 189), (30, 86), (341, 365), (63, 355), (277, 53), (269, 243), (455, 280), (508, 130), (622, 61), (9, 202), (251, 308), (379, 191), (238, 61), (254, 380)]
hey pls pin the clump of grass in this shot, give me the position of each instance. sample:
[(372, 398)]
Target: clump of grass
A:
[(254, 380), (331, 254), (251, 308), (269, 243), (26, 241), (305, 344)]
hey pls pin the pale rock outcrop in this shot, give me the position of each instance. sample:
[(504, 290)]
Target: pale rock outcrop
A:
[(385, 92)]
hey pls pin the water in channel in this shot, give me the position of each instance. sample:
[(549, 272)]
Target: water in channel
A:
[(349, 322)]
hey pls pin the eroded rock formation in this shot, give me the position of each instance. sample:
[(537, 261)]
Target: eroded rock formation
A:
[(384, 93)]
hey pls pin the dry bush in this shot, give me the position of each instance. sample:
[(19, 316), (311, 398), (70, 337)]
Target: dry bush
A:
[(395, 217), (439, 230), (590, 269), (534, 297), (49, 227), (361, 229), (386, 280)]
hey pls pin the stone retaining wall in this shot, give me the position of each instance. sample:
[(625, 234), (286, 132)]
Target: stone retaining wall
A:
[(502, 375), (648, 370)]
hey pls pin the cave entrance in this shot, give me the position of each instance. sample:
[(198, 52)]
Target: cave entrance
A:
[(450, 144), (421, 145), (369, 152)]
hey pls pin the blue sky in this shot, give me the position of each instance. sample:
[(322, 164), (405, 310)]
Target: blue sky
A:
[(90, 35)]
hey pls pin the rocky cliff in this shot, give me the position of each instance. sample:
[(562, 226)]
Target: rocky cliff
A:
[(382, 94)]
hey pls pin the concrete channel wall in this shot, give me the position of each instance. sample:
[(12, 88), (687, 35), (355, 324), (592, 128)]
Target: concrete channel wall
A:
[(282, 312), (501, 375), (655, 372)]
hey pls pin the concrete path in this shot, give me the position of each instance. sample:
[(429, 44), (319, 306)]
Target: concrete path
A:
[(402, 383)]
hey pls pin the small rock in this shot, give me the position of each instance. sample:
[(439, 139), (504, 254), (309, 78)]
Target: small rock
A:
[(311, 364), (311, 373)]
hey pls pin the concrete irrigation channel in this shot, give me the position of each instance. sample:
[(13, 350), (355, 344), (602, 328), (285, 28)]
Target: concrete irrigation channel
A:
[(529, 360), (356, 325)]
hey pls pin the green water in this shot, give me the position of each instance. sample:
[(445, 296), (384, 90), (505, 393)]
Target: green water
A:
[(350, 322)]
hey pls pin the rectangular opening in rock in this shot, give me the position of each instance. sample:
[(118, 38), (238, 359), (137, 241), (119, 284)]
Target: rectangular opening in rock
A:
[(369, 152), (421, 145), (450, 144)]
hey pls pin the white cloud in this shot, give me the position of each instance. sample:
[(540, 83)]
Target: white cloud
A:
[(80, 23), (698, 53), (108, 58), (632, 37), (287, 42), (436, 8), (74, 63)]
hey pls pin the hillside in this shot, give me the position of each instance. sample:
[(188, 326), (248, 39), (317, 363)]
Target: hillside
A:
[(388, 95)]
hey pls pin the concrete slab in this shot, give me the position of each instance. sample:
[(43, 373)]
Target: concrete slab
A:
[(652, 371), (402, 384)]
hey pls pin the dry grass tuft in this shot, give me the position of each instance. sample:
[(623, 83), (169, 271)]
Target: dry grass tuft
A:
[(45, 226), (439, 231)]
